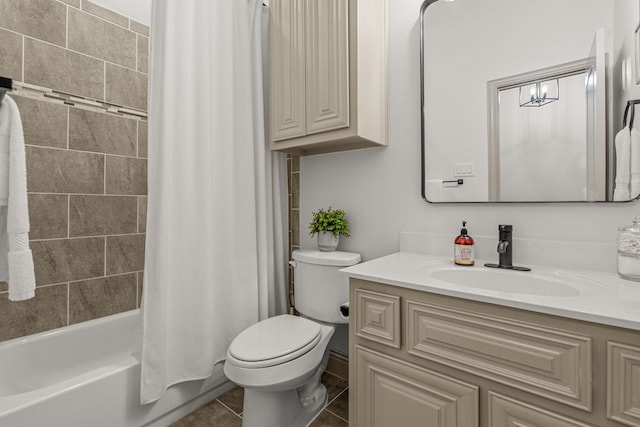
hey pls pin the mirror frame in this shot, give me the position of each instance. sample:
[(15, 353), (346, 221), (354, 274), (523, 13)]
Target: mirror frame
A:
[(423, 9)]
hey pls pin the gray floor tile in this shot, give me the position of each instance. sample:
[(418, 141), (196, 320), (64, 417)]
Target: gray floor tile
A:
[(327, 419), (212, 414), (340, 406), (233, 399), (335, 385)]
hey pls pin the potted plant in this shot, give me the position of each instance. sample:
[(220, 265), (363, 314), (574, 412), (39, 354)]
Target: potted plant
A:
[(329, 225)]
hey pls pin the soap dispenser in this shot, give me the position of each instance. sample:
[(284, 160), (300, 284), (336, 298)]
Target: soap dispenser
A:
[(463, 252), (629, 250)]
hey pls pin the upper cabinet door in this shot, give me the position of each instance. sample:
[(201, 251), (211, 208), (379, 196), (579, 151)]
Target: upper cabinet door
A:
[(327, 53), (287, 69), (328, 65)]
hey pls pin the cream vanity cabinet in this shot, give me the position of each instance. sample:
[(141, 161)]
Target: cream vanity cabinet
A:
[(328, 75), (422, 359)]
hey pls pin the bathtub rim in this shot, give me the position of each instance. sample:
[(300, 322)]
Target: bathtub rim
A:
[(19, 401), (76, 326)]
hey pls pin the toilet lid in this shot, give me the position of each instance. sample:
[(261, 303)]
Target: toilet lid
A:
[(274, 341)]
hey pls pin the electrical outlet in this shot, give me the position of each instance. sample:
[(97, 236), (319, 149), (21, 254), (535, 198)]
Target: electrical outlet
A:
[(463, 169)]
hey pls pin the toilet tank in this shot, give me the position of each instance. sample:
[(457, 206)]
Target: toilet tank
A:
[(320, 288)]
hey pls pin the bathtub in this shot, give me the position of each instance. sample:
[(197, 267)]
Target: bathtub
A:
[(84, 375)]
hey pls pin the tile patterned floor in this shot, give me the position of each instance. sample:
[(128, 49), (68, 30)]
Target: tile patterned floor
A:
[(226, 410)]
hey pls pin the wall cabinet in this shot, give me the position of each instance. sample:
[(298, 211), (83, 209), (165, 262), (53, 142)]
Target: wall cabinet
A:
[(421, 359), (328, 75)]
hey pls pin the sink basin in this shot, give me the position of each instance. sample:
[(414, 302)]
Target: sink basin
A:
[(550, 284)]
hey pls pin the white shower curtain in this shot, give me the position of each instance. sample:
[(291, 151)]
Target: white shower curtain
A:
[(216, 223)]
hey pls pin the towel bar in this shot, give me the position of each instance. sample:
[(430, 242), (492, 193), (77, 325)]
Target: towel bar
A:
[(455, 181), (6, 85)]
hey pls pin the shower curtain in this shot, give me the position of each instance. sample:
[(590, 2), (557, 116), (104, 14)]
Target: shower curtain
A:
[(216, 247)]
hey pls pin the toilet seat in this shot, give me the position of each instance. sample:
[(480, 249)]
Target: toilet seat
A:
[(274, 341)]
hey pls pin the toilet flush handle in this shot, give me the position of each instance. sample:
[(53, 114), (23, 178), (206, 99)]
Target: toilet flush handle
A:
[(344, 310), (293, 264)]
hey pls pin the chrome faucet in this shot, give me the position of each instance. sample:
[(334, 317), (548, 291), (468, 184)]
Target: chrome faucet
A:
[(505, 250)]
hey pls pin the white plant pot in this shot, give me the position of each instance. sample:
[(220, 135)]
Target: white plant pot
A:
[(327, 242)]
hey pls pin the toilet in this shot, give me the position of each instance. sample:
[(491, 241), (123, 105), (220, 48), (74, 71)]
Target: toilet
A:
[(279, 361)]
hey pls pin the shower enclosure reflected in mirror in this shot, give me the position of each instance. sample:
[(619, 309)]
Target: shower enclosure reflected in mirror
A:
[(521, 99)]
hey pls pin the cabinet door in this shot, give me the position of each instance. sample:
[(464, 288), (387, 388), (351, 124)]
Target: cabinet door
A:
[(390, 392), (327, 65), (287, 69), (623, 383), (506, 412)]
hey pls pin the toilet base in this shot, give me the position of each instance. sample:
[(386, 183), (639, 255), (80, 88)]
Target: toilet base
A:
[(291, 408), (283, 408)]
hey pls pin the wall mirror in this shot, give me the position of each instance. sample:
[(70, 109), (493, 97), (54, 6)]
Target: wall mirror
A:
[(524, 100)]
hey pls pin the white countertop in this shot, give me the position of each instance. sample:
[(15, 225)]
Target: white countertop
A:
[(599, 297)]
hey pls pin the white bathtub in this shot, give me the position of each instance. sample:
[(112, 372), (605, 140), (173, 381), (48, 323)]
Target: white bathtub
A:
[(84, 375)]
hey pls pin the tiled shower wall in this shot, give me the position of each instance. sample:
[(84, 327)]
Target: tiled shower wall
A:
[(86, 168)]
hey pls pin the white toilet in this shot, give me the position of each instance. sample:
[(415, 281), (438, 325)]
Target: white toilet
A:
[(279, 361)]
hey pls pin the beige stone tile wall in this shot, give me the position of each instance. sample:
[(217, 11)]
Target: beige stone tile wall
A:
[(86, 170), (10, 54), (76, 47)]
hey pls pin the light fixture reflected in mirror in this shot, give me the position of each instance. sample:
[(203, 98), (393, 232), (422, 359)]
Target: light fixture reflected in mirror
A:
[(539, 93)]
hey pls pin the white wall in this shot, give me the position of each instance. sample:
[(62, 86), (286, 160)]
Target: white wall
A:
[(138, 10), (380, 188)]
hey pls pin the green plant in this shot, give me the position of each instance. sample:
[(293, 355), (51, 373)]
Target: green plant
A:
[(333, 220)]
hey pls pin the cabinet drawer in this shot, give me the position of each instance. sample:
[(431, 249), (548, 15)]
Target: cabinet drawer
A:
[(548, 362), (378, 317), (507, 412), (390, 392), (623, 383)]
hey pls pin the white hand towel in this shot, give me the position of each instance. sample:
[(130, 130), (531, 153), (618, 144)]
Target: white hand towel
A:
[(634, 155), (623, 167), (4, 176), (20, 259)]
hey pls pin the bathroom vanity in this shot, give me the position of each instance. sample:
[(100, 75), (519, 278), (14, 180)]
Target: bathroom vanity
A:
[(432, 344)]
